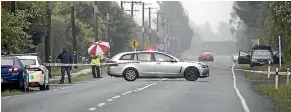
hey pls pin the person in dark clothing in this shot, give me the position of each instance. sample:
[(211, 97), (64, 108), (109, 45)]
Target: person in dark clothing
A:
[(66, 58)]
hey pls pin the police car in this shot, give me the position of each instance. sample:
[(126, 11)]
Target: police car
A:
[(38, 73)]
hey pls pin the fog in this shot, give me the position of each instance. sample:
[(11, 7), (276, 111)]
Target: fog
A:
[(210, 21)]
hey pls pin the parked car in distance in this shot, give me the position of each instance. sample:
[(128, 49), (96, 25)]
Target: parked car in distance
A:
[(153, 64), (14, 73), (38, 73), (206, 56), (260, 55)]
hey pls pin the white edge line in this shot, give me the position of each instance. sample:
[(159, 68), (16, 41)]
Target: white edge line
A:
[(116, 97), (101, 104), (243, 102), (109, 100), (92, 109)]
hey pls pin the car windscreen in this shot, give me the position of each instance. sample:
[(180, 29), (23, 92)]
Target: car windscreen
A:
[(28, 61), (263, 53), (7, 61)]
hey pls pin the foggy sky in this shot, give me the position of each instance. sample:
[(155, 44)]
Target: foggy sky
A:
[(199, 12)]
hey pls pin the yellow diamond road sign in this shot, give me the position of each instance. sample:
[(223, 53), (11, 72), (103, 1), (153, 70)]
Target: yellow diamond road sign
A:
[(134, 44)]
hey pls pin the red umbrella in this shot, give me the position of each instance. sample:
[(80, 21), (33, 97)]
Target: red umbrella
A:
[(98, 48)]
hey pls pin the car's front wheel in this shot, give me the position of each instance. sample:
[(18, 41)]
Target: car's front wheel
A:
[(191, 74), (130, 74)]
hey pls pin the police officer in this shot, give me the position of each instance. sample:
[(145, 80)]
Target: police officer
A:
[(96, 68), (66, 58)]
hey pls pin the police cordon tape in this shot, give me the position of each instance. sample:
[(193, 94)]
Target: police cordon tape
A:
[(81, 64), (101, 64)]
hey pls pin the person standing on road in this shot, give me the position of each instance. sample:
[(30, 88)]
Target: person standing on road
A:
[(65, 58), (96, 60)]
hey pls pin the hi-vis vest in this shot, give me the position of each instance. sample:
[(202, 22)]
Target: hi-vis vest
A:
[(97, 60)]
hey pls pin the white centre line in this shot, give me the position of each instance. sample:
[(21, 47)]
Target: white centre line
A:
[(101, 104), (92, 109), (110, 100), (126, 92), (242, 100), (116, 97)]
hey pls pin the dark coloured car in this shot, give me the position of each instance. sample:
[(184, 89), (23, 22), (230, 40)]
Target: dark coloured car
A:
[(206, 56), (13, 73), (260, 55)]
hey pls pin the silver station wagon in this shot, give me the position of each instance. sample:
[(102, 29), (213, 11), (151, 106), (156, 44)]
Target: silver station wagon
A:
[(153, 64)]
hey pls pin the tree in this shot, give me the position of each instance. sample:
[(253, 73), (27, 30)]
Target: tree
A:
[(14, 39)]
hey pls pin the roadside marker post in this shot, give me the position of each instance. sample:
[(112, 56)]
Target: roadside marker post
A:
[(269, 69), (288, 74), (276, 79)]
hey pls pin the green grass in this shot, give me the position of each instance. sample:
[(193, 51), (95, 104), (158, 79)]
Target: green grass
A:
[(56, 71), (251, 75), (10, 92), (75, 79), (282, 96), (265, 68)]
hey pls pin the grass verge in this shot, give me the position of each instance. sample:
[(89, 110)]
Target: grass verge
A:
[(10, 93), (266, 86), (75, 79), (265, 68), (282, 96), (56, 71)]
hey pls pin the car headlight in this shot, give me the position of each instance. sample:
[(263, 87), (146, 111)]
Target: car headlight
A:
[(203, 65)]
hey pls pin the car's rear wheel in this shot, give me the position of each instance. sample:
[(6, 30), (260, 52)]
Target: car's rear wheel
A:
[(130, 74), (44, 85), (24, 86), (191, 74)]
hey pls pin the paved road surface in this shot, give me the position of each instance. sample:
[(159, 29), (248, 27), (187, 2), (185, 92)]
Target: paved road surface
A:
[(213, 94)]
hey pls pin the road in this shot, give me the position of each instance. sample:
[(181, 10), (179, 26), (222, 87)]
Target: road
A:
[(216, 93)]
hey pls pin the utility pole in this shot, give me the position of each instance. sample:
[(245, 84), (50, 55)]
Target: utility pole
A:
[(13, 7), (132, 6), (158, 23), (74, 34), (121, 4), (108, 24), (48, 37), (96, 21), (150, 26), (143, 27)]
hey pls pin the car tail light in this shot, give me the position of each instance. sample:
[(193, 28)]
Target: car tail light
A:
[(13, 69), (113, 63)]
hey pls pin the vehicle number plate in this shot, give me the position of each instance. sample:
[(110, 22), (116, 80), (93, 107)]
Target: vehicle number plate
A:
[(262, 63)]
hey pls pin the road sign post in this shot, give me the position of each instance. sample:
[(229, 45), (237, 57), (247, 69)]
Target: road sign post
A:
[(134, 44), (161, 47)]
